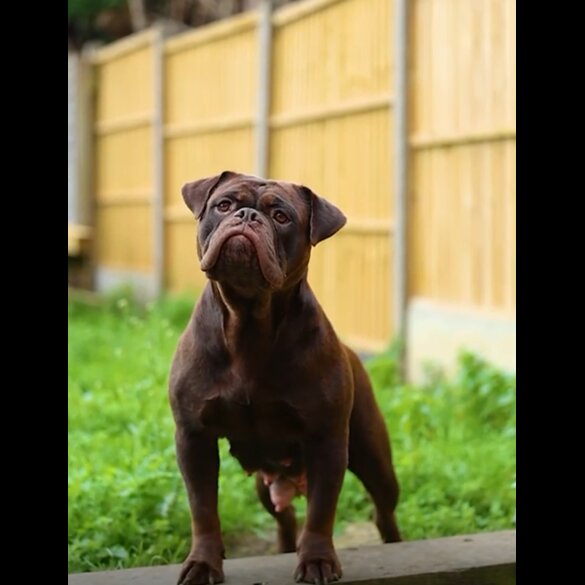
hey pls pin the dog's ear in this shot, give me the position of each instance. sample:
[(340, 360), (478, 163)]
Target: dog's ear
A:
[(196, 193), (326, 219)]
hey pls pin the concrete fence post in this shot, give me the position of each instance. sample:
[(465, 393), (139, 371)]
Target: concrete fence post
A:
[(400, 139), (158, 164), (263, 103)]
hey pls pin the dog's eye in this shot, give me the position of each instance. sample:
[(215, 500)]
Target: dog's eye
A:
[(280, 217), (224, 205)]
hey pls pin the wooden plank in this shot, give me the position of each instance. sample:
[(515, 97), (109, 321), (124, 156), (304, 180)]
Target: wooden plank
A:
[(191, 157), (103, 127), (478, 227), (124, 197), (463, 65), (211, 82), (123, 47), (178, 214), (498, 224), (124, 238), (296, 11), (452, 228), (336, 56), (124, 162), (510, 236), (510, 60), (123, 85), (371, 226), (422, 141), (329, 112), (224, 124), (478, 559), (182, 267), (204, 35), (468, 210)]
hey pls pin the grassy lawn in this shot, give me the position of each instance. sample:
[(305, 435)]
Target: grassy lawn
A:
[(453, 441)]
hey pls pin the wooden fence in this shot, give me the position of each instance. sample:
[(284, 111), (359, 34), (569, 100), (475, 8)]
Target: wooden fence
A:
[(309, 94)]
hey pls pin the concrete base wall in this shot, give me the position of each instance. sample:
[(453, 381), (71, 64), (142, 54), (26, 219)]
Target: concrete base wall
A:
[(143, 284), (437, 332)]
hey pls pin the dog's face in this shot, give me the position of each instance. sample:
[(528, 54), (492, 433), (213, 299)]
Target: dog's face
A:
[(256, 234)]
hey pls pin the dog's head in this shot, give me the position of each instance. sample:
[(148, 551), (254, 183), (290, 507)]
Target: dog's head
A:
[(256, 234)]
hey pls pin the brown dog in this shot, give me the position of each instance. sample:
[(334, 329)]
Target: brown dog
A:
[(260, 364)]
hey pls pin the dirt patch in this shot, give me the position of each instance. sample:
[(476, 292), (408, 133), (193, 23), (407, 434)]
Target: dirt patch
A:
[(250, 545)]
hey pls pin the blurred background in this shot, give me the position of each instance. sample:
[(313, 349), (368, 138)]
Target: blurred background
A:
[(402, 113), (313, 101)]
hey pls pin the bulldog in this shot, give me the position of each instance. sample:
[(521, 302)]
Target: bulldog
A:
[(260, 364)]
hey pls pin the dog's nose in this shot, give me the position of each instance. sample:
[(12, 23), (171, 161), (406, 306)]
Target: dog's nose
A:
[(247, 214)]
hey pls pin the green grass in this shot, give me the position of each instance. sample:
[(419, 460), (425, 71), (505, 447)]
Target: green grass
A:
[(453, 442)]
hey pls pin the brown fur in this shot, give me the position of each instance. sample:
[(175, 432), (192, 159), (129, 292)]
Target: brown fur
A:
[(260, 364)]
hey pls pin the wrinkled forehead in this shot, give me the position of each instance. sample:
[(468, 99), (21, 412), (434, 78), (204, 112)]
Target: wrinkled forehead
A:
[(253, 191)]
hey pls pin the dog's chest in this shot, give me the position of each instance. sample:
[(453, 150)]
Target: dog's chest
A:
[(252, 399), (240, 413)]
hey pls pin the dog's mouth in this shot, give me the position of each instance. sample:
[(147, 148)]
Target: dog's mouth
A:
[(240, 248)]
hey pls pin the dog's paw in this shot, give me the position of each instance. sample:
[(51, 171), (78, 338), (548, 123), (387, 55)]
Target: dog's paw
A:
[(198, 572), (318, 571), (318, 562)]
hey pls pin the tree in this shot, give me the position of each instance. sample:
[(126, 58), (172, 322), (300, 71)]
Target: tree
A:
[(108, 20)]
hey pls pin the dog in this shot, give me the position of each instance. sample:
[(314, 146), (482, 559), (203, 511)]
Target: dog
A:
[(260, 364)]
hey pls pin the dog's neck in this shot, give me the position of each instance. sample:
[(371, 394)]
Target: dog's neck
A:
[(250, 319)]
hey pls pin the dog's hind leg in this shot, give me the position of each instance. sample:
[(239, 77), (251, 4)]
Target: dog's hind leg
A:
[(370, 457), (286, 520)]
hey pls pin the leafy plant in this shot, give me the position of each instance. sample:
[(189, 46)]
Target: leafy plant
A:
[(453, 444)]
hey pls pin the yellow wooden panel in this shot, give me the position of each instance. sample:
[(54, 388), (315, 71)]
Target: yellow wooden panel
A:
[(483, 224), (510, 69), (346, 160), (123, 47), (333, 55), (462, 66), (461, 232), (462, 195), (124, 237), (330, 55), (351, 278), (125, 85), (443, 108), (124, 164), (181, 263), (211, 81), (498, 225), (417, 72), (416, 265), (194, 157), (468, 234), (465, 64), (187, 159), (510, 225)]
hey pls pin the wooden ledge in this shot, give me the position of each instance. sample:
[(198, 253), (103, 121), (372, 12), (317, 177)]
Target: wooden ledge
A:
[(478, 559)]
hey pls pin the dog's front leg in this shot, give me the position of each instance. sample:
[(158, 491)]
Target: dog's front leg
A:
[(198, 458), (326, 462)]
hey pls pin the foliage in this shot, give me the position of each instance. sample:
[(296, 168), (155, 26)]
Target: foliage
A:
[(453, 443), (86, 9)]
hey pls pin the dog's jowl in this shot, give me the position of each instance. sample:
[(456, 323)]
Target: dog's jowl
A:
[(260, 364)]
